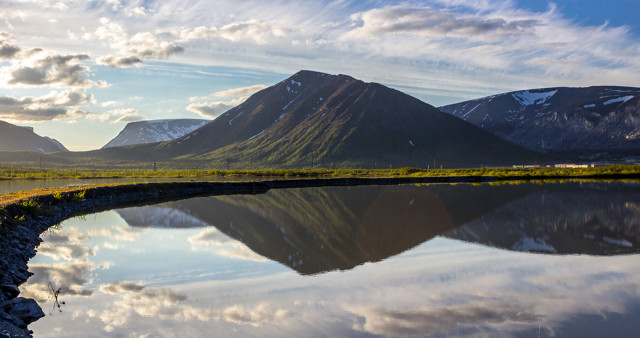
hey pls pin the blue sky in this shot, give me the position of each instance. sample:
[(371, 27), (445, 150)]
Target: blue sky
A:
[(78, 71)]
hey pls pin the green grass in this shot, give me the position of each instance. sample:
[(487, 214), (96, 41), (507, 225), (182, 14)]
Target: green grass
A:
[(79, 196), (31, 207), (29, 173)]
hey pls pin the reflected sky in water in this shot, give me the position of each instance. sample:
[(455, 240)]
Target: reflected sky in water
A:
[(359, 261)]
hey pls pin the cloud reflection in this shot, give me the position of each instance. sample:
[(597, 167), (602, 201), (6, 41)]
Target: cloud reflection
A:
[(213, 241), (71, 277), (430, 321)]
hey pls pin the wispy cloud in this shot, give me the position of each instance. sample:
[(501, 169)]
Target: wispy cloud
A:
[(214, 106), (445, 48), (260, 32), (131, 50), (437, 23)]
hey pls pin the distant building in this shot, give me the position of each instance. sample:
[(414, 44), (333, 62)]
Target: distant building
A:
[(569, 165)]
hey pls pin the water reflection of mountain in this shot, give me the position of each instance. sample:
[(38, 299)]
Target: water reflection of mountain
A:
[(594, 219), (173, 215), (322, 229)]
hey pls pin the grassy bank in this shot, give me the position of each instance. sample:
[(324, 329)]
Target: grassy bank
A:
[(31, 173)]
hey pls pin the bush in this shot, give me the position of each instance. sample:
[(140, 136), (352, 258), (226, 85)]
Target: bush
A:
[(79, 196), (31, 207)]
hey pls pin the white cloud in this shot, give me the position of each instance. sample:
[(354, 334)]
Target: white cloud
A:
[(212, 108), (50, 70), (120, 115), (240, 92), (213, 241), (257, 316), (108, 104), (131, 50), (260, 32), (438, 23), (71, 277), (119, 61), (66, 251), (36, 67), (54, 106), (127, 115)]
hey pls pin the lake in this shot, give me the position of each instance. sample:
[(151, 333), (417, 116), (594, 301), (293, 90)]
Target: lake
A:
[(526, 260)]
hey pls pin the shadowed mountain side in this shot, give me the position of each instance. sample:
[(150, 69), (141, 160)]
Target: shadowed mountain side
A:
[(323, 229), (576, 219)]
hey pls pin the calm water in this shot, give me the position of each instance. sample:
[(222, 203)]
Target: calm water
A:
[(436, 260)]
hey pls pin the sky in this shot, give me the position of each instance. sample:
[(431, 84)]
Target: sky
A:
[(78, 71)]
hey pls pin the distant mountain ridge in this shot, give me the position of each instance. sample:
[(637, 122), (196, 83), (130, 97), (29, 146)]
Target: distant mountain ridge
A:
[(16, 138), (316, 119), (561, 118), (142, 132)]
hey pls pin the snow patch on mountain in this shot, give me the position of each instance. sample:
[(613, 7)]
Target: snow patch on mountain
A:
[(619, 99), (620, 242), (529, 244), (527, 98)]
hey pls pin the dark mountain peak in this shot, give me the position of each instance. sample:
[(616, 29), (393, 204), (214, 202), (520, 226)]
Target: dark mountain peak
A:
[(317, 119)]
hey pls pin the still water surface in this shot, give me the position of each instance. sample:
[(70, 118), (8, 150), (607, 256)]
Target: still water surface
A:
[(431, 260)]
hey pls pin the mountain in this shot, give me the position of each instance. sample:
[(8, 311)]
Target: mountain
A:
[(592, 118), (154, 131), (16, 138), (316, 119)]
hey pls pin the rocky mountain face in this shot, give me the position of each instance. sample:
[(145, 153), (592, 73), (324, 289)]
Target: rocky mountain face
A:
[(154, 131), (16, 138), (593, 118), (315, 119)]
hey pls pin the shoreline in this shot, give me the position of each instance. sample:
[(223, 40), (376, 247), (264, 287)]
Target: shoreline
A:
[(25, 217)]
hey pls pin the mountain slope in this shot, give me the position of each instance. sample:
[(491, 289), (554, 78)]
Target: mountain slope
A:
[(154, 131), (316, 119), (15, 138), (593, 118)]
